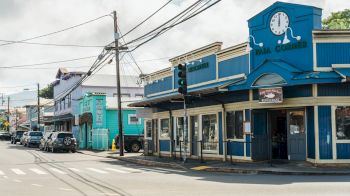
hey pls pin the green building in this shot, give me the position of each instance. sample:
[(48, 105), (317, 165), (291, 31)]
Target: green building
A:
[(98, 121)]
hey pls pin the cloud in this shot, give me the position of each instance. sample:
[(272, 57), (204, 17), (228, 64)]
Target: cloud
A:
[(226, 22)]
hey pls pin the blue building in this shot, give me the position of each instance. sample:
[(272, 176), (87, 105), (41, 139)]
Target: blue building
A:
[(284, 94)]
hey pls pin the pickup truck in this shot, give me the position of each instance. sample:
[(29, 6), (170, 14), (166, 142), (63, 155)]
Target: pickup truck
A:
[(132, 143)]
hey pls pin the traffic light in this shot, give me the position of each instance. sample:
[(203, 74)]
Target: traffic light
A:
[(182, 79)]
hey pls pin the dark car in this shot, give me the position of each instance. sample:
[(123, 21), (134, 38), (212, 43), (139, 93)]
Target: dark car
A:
[(44, 140), (33, 138), (61, 141), (16, 136), (4, 135)]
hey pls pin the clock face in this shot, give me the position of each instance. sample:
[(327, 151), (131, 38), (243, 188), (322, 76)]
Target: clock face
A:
[(279, 23)]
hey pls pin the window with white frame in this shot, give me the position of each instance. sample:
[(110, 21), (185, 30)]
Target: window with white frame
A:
[(234, 125), (342, 119), (164, 128), (133, 120), (210, 132)]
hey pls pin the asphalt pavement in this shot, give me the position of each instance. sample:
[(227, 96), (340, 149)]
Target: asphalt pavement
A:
[(28, 171)]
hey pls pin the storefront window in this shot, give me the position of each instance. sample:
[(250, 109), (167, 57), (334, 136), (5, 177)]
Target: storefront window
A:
[(342, 115), (210, 132), (234, 125), (149, 129), (164, 128), (296, 122)]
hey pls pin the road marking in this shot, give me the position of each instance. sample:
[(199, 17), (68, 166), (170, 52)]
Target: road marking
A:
[(38, 185), (108, 194), (58, 171), (117, 170), (37, 171), (74, 169), (18, 171), (2, 173), (132, 169), (15, 180), (97, 170), (200, 168), (65, 189), (6, 177)]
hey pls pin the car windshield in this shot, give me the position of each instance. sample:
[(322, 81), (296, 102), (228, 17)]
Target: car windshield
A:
[(20, 133), (36, 134), (63, 135)]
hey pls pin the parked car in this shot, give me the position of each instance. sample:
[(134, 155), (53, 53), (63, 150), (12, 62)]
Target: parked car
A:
[(33, 138), (24, 136), (61, 141), (16, 136), (44, 140), (4, 135), (132, 143)]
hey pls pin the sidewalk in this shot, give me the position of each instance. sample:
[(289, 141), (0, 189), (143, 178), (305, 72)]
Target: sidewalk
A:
[(277, 167)]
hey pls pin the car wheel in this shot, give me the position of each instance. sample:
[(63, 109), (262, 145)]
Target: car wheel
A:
[(135, 147), (14, 142), (74, 151)]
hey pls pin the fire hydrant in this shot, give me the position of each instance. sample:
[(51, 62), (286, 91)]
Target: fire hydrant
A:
[(114, 147)]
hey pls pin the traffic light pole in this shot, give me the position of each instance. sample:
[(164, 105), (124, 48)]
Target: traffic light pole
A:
[(120, 120), (38, 107), (185, 130), (8, 113)]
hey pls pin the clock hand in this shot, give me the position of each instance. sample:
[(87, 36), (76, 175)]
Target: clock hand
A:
[(279, 20)]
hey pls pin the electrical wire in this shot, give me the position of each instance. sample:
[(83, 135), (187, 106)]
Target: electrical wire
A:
[(46, 63), (142, 22), (56, 32), (52, 44)]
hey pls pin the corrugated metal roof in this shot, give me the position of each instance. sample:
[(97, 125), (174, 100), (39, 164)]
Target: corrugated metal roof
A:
[(110, 80)]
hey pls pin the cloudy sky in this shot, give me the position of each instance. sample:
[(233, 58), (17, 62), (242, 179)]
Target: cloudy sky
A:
[(21, 19)]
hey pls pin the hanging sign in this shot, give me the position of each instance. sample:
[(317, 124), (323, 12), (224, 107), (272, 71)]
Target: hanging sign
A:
[(271, 95)]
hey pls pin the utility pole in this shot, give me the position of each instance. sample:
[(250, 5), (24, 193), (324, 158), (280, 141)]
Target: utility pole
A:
[(38, 107), (16, 119), (8, 113), (120, 120)]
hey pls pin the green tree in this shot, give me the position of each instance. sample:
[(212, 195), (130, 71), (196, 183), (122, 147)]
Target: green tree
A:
[(47, 92), (337, 20)]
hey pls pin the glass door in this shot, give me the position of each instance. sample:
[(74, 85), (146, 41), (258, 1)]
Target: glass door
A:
[(296, 135), (194, 135)]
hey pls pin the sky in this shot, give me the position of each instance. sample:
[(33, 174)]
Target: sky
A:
[(20, 19)]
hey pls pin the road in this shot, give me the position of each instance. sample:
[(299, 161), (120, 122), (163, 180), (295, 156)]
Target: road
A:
[(27, 172)]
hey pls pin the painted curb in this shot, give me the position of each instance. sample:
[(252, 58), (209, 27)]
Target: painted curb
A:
[(150, 163)]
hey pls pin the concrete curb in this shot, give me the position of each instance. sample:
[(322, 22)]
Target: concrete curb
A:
[(255, 171), (150, 163), (224, 169)]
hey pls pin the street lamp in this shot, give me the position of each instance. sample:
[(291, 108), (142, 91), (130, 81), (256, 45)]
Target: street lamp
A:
[(256, 44)]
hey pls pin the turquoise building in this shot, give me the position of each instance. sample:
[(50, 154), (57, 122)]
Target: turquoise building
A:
[(98, 121)]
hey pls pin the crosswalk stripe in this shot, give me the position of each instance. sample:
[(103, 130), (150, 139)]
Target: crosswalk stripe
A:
[(74, 169), (117, 170), (58, 171), (18, 171), (2, 173), (131, 169), (97, 170), (37, 171)]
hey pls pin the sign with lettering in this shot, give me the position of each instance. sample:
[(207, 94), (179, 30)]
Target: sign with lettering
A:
[(198, 67), (99, 112), (86, 106), (281, 48), (271, 95)]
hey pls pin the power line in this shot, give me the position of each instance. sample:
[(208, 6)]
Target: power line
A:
[(46, 63), (125, 62), (16, 86), (150, 16), (55, 32), (53, 44)]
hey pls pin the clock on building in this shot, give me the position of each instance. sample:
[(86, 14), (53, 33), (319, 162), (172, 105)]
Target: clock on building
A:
[(279, 23)]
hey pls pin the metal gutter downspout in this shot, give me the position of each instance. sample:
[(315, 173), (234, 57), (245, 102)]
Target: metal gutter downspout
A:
[(224, 131), (171, 133)]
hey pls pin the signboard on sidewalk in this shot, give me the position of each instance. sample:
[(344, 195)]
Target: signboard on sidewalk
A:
[(271, 95)]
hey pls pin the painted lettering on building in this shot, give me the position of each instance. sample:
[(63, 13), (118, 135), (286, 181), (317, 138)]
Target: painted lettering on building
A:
[(281, 48), (198, 67)]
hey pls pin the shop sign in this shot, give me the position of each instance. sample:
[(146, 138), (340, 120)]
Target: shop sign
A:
[(198, 67), (271, 95), (99, 112), (86, 106), (281, 48)]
